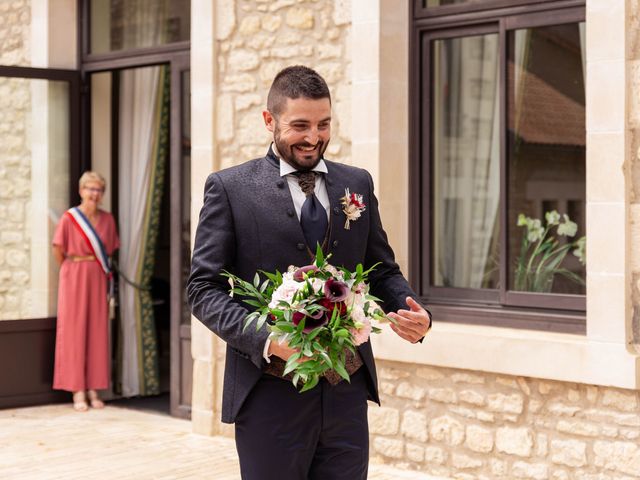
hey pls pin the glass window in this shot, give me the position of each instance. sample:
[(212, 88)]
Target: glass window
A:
[(546, 158), (34, 191), (466, 162), (506, 165), (129, 24)]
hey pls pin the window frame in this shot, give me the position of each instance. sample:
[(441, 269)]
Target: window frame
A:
[(501, 307), (125, 57)]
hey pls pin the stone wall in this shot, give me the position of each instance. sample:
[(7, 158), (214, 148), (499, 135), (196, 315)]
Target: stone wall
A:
[(15, 29), (15, 162), (633, 154), (257, 38), (471, 425), (15, 194)]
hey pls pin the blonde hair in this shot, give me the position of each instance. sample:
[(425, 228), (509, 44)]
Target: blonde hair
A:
[(90, 176)]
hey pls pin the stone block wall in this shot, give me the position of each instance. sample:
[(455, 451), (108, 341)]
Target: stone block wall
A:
[(15, 31), (15, 162), (257, 38), (632, 170), (472, 425), (15, 195)]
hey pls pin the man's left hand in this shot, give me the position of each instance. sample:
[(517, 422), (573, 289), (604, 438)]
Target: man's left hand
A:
[(413, 324)]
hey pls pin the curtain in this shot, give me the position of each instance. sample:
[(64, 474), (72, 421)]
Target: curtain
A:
[(143, 151), (467, 160)]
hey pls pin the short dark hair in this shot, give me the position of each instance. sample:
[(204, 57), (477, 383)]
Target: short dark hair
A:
[(295, 82)]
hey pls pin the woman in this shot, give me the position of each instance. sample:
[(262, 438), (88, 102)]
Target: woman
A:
[(84, 238)]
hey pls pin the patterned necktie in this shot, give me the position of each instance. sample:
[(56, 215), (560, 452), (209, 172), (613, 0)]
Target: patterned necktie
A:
[(313, 216)]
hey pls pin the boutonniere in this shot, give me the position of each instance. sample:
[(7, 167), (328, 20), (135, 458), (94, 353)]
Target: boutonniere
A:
[(352, 206)]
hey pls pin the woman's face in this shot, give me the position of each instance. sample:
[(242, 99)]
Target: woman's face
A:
[(91, 194)]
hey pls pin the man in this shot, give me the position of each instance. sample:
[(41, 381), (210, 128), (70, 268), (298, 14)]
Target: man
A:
[(267, 214)]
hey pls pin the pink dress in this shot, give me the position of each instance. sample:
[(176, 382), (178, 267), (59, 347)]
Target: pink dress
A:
[(82, 340)]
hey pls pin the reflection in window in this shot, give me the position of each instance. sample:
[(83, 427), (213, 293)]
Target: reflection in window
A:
[(466, 162), (34, 193), (546, 158), (126, 24)]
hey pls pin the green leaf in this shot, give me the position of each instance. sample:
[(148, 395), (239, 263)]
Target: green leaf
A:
[(261, 320), (285, 327), (326, 358), (256, 280), (306, 351), (253, 303), (339, 368), (314, 333), (292, 363), (311, 382), (295, 379), (300, 326), (319, 256)]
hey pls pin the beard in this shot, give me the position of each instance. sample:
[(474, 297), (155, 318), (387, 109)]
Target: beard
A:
[(299, 159)]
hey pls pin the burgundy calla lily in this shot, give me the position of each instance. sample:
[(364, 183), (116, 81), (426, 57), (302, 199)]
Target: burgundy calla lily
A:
[(331, 306), (335, 290), (298, 275), (311, 321)]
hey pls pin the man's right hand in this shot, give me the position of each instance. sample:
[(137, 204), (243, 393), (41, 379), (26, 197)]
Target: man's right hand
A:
[(281, 350)]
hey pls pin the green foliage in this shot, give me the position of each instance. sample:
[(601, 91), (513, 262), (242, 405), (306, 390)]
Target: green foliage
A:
[(323, 348)]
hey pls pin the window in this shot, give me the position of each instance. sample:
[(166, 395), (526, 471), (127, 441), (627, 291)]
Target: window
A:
[(499, 162), (132, 24), (38, 157)]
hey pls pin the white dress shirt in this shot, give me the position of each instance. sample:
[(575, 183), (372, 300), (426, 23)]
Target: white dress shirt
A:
[(298, 197)]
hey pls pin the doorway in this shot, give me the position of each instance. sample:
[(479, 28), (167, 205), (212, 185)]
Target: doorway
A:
[(139, 120)]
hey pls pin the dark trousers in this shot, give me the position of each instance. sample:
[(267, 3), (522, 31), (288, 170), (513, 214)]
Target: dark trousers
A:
[(320, 434)]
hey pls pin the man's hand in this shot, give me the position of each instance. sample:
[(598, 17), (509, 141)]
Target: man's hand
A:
[(284, 351), (281, 350), (412, 324)]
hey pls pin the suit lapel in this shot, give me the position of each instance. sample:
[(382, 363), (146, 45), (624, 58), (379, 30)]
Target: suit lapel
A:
[(335, 189)]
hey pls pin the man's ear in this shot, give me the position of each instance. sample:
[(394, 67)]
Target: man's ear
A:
[(269, 120)]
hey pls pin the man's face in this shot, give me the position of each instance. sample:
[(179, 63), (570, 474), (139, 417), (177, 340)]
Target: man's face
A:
[(301, 132)]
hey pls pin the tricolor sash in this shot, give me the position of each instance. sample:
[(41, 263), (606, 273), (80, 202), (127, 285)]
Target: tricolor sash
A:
[(91, 237)]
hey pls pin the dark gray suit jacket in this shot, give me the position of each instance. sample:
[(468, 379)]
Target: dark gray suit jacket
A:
[(248, 223)]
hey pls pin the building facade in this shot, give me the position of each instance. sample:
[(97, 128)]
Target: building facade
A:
[(466, 115)]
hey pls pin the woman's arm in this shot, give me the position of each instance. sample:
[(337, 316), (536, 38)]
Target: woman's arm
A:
[(58, 254)]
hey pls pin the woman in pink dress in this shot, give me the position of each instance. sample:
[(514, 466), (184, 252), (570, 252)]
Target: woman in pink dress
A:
[(82, 362)]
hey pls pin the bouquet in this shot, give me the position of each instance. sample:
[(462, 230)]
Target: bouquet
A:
[(320, 310)]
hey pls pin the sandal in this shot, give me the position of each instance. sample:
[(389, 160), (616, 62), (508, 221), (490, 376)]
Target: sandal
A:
[(94, 399), (80, 402)]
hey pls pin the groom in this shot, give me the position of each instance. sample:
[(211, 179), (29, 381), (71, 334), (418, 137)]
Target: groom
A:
[(267, 214)]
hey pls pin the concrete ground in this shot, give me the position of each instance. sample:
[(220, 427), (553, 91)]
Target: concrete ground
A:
[(55, 442)]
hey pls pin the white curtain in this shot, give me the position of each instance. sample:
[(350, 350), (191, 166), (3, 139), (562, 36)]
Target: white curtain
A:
[(138, 137), (467, 159), (140, 104)]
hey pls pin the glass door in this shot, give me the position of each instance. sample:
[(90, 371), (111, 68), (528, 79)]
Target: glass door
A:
[(39, 169)]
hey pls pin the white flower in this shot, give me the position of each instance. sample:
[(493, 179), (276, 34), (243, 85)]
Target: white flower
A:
[(317, 284), (567, 228), (581, 250), (534, 230), (552, 217), (285, 292)]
